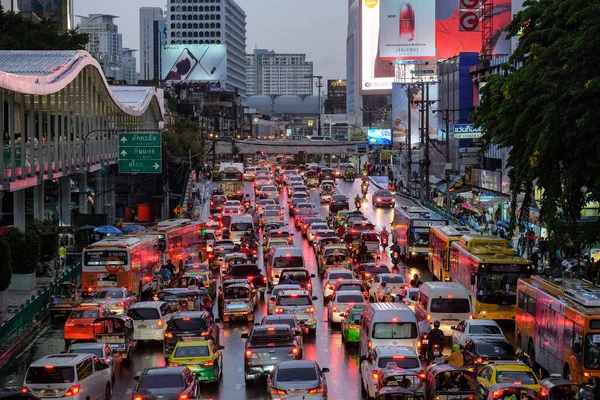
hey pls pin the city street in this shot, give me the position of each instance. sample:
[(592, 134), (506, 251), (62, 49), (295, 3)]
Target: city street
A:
[(327, 348)]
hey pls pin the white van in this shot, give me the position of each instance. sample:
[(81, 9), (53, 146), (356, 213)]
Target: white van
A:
[(240, 225), (447, 302), (69, 375), (150, 319), (388, 324), (283, 257)]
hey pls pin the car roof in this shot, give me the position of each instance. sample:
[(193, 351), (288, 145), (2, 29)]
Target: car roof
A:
[(60, 360), (288, 286), (337, 271), (189, 314), (354, 292), (348, 282), (509, 366), (385, 351), (164, 370), (147, 304), (266, 326), (192, 343), (296, 364), (481, 321), (277, 317)]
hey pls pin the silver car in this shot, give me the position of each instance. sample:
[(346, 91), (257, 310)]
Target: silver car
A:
[(298, 379), (117, 300)]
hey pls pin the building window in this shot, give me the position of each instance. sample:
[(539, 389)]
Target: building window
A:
[(200, 8), (201, 34), (195, 42), (184, 9), (200, 25), (218, 34), (195, 33), (201, 17), (172, 8), (172, 17), (195, 8), (218, 42), (183, 26), (178, 25), (212, 8), (178, 9), (196, 26), (212, 33), (218, 25), (219, 17), (218, 8), (212, 25), (212, 16), (173, 25), (195, 17), (184, 17), (178, 17)]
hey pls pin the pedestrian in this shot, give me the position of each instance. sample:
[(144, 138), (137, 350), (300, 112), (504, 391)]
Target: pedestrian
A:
[(62, 255), (521, 244)]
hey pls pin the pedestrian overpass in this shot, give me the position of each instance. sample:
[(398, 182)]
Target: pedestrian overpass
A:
[(289, 147), (60, 117)]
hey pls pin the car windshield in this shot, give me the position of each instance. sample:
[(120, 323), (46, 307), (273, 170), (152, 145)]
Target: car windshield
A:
[(295, 275), (450, 306), (498, 288), (270, 334), (188, 324), (246, 270), (51, 375), (395, 330), (399, 361), (352, 286), (341, 275), (523, 377), (191, 351), (350, 298), (384, 193), (242, 226), (296, 375), (271, 213), (340, 197), (287, 321), (236, 292), (109, 294), (393, 279), (484, 330), (591, 351), (288, 262), (138, 314), (294, 301), (86, 350), (370, 237), (376, 270), (317, 226), (495, 349), (84, 314), (162, 381)]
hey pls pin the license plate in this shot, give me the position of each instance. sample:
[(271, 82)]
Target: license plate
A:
[(142, 326), (505, 316), (426, 341), (49, 393)]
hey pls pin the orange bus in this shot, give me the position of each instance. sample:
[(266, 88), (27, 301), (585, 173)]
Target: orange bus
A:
[(410, 230), (177, 239), (558, 325), (440, 240), (127, 261)]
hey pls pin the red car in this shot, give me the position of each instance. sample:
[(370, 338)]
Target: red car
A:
[(383, 198)]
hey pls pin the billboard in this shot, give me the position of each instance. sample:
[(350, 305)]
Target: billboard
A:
[(400, 112), (406, 29), (379, 137), (194, 62), (467, 131), (378, 73)]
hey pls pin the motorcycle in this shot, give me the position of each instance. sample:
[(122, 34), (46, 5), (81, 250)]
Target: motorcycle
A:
[(357, 204), (247, 205), (384, 241), (46, 268), (364, 189), (435, 354), (395, 259)]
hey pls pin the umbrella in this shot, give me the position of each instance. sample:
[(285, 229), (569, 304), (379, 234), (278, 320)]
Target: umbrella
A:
[(86, 228), (108, 230), (133, 228)]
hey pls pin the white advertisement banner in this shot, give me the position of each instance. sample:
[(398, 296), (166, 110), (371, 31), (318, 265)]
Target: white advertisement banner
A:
[(194, 62), (377, 74), (406, 29)]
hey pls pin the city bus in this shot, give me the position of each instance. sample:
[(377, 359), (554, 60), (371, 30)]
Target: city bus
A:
[(410, 230), (178, 238), (558, 325), (126, 261), (489, 269), (440, 239), (231, 180)]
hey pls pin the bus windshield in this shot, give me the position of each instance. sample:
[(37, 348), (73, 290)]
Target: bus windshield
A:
[(230, 176), (418, 237), (498, 288)]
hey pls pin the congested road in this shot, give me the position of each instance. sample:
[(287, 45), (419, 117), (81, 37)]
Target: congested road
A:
[(327, 347)]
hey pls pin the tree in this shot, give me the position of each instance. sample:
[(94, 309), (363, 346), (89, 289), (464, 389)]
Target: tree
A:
[(5, 266), (16, 240), (357, 135), (18, 33), (182, 137), (545, 113)]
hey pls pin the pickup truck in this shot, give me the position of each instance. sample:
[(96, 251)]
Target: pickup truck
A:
[(299, 276), (251, 272), (266, 345)]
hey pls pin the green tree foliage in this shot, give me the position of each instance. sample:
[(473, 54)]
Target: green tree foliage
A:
[(357, 135), (545, 112), (17, 33), (5, 266), (16, 241), (182, 137)]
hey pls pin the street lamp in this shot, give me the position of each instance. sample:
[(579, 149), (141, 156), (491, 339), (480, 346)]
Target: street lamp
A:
[(319, 86)]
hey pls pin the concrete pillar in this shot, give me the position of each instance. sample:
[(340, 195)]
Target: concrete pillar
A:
[(99, 195), (65, 201), (38, 201), (83, 196), (19, 209), (112, 210)]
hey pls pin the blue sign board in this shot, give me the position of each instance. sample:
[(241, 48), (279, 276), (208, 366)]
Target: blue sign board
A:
[(467, 131)]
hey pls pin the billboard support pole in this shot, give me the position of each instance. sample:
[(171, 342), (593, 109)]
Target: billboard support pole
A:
[(409, 144), (426, 133)]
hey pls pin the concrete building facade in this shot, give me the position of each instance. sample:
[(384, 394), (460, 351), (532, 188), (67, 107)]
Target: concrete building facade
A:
[(269, 73), (150, 42), (105, 42)]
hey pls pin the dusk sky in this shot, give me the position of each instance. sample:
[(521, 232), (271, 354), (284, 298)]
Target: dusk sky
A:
[(314, 27)]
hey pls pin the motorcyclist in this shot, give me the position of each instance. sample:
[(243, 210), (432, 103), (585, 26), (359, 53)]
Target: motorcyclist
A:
[(415, 282), (384, 234), (164, 273), (362, 252), (383, 291), (357, 201), (436, 337), (170, 266), (456, 358), (348, 238), (189, 260), (340, 232), (424, 326)]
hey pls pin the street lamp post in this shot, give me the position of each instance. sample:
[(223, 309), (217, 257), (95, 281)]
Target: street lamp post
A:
[(319, 86)]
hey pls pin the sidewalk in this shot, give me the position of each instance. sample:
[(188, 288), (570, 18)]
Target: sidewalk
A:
[(16, 298)]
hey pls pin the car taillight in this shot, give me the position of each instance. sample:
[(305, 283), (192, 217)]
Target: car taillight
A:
[(250, 354), (204, 333), (173, 364), (309, 284), (278, 310), (25, 389), (375, 374), (329, 286), (168, 335), (419, 344), (136, 396), (293, 351), (310, 309), (334, 309), (277, 392), (320, 389), (265, 279), (121, 304), (479, 360), (73, 391), (370, 344), (207, 364), (544, 392), (428, 317), (183, 396)]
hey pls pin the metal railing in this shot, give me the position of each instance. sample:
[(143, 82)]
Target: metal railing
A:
[(33, 310)]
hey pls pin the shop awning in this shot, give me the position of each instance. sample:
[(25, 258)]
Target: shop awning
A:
[(454, 181), (490, 203)]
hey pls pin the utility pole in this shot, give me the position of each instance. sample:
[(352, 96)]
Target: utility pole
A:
[(319, 86), (448, 167), (427, 162)]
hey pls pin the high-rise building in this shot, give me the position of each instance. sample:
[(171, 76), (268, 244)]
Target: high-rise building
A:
[(128, 66), (271, 73), (212, 22), (151, 26), (105, 42), (36, 10)]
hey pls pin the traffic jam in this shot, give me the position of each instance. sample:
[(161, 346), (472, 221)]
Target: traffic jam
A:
[(293, 288)]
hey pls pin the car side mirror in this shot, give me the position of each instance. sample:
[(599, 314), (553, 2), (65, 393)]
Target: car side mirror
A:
[(361, 359), (453, 328), (245, 336), (221, 347), (136, 378), (342, 315), (312, 275), (301, 322), (315, 298), (324, 370)]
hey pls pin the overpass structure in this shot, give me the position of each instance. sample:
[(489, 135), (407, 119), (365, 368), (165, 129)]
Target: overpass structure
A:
[(289, 147), (59, 117)]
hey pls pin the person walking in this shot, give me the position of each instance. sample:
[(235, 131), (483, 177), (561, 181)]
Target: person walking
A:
[(62, 255)]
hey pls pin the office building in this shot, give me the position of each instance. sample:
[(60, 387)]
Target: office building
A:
[(128, 67), (336, 97), (212, 22), (270, 73), (152, 31), (36, 10), (105, 42)]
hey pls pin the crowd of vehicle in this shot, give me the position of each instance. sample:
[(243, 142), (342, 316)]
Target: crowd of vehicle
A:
[(402, 330)]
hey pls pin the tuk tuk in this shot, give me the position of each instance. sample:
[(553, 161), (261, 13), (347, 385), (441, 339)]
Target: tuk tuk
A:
[(117, 334), (349, 173), (238, 302), (311, 178), (446, 382), (334, 260), (326, 192), (184, 299), (556, 387), (397, 393), (400, 377), (188, 281), (371, 240), (66, 298), (509, 391)]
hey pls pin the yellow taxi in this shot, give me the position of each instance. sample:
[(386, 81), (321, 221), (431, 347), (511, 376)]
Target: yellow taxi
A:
[(513, 372), (203, 357)]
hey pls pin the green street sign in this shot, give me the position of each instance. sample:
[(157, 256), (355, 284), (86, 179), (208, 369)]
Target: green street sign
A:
[(140, 152)]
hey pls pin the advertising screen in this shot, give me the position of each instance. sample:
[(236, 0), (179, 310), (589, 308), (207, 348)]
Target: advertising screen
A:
[(400, 112), (194, 62), (379, 136), (377, 69)]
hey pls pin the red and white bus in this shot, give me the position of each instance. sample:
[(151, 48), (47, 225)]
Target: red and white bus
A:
[(410, 230), (127, 261), (178, 239)]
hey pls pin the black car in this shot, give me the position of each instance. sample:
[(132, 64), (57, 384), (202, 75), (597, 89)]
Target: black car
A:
[(251, 272), (299, 276), (166, 383), (327, 174), (217, 202), (478, 351), (339, 202), (185, 324)]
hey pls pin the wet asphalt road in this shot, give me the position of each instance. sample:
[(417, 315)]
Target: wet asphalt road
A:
[(327, 347)]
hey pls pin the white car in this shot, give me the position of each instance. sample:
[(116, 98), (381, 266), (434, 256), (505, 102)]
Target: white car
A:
[(409, 297), (150, 319), (341, 302), (250, 174), (100, 350), (317, 226), (475, 328), (381, 357), (276, 290), (331, 277), (300, 304), (395, 282)]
